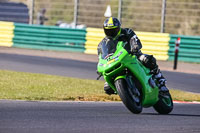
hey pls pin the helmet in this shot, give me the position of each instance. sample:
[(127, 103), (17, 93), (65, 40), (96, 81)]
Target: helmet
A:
[(112, 27)]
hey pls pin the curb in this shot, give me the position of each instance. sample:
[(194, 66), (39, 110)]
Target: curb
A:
[(184, 102)]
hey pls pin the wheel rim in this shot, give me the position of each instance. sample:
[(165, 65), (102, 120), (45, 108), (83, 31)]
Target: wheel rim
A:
[(135, 97), (167, 100)]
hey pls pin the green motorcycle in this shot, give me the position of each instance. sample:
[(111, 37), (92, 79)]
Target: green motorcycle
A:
[(131, 80)]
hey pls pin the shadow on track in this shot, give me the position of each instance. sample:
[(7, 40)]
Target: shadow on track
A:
[(188, 115)]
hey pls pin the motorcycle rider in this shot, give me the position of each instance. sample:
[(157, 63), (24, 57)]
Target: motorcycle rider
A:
[(113, 30)]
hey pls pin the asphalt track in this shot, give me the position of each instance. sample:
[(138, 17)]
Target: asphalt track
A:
[(86, 70), (94, 117)]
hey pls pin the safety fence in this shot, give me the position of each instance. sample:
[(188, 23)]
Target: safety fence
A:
[(6, 33), (161, 45), (169, 16), (42, 37), (189, 50)]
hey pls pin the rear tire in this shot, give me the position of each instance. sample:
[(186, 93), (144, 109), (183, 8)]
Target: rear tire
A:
[(164, 104), (132, 102)]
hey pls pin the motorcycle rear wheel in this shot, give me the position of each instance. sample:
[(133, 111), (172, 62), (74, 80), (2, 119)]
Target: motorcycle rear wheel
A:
[(132, 102), (164, 104)]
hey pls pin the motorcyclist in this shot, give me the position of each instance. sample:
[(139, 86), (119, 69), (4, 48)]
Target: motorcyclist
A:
[(113, 30)]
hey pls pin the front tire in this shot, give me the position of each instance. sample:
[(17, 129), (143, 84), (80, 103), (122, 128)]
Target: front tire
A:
[(164, 104), (131, 101)]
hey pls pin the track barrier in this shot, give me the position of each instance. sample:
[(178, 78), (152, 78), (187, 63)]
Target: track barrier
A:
[(161, 45)]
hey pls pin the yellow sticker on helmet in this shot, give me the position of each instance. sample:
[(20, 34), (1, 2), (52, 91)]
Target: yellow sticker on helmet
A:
[(110, 22)]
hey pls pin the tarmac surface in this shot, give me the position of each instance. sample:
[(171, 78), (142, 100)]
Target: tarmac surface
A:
[(94, 117)]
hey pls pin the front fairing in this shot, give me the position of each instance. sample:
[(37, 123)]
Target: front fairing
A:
[(112, 53), (110, 62)]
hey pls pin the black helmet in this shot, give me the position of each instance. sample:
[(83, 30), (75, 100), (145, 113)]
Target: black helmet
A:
[(112, 27)]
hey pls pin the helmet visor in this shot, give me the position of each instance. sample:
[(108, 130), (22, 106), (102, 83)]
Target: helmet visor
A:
[(111, 32)]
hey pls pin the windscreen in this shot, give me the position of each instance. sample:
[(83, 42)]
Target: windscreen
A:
[(108, 48)]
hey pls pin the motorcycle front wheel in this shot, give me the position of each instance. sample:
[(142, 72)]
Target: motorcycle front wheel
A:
[(130, 99), (164, 104)]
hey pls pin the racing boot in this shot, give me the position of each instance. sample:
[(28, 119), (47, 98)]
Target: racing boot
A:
[(108, 90), (161, 80)]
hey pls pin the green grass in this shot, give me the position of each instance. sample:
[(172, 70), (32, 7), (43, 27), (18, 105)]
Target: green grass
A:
[(184, 96), (29, 86)]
